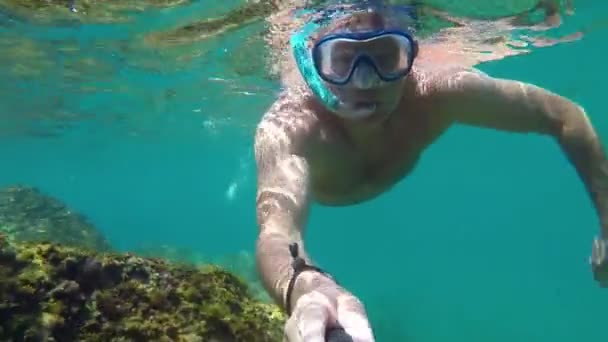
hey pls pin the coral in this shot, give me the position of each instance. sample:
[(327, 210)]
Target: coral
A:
[(58, 293), (28, 215)]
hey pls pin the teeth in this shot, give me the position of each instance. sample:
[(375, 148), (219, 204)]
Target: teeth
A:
[(357, 111)]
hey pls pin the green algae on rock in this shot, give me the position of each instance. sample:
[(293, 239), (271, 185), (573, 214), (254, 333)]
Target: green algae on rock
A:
[(241, 16), (86, 11), (241, 264), (56, 293), (26, 214)]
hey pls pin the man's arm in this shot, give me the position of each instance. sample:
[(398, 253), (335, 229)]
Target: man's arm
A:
[(477, 99), (282, 205)]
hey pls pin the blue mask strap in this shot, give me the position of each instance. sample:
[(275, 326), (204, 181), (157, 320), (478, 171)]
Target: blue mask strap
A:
[(305, 64)]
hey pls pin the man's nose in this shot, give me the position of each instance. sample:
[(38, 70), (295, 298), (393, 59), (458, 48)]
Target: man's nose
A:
[(365, 77)]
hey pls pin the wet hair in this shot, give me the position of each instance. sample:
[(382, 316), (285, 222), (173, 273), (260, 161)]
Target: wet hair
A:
[(375, 17), (361, 21), (370, 18)]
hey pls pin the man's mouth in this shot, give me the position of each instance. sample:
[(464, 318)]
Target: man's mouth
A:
[(365, 104), (360, 109)]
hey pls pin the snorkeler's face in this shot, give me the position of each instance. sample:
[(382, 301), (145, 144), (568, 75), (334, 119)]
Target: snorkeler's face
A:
[(365, 70), (364, 58)]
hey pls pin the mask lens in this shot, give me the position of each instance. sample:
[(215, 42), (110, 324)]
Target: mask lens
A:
[(336, 57), (390, 54)]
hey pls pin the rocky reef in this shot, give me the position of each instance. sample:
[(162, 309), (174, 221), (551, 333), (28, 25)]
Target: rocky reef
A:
[(242, 264), (85, 11), (28, 215), (61, 281), (239, 17), (50, 292)]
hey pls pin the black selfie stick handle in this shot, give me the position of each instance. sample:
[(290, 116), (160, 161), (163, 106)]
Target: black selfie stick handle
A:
[(337, 335)]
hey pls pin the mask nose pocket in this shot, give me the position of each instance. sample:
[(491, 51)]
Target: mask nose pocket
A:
[(365, 76)]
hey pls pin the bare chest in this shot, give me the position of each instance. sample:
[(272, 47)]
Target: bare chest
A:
[(347, 172)]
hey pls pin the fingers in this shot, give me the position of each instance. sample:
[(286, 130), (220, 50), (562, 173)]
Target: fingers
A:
[(291, 331), (337, 335), (353, 319), (309, 319), (598, 252), (314, 314)]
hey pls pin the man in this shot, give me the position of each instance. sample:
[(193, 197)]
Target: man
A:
[(357, 123)]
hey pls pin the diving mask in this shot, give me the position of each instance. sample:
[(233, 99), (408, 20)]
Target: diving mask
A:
[(389, 52), (321, 65)]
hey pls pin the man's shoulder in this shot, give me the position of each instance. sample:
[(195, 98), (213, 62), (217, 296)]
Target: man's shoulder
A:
[(440, 73), (433, 81), (290, 116)]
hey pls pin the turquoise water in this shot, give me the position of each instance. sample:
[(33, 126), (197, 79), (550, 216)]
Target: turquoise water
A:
[(487, 240)]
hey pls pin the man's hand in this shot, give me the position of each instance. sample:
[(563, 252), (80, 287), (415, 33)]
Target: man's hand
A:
[(599, 261), (316, 314)]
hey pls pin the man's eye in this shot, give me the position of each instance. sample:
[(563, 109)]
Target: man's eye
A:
[(343, 54)]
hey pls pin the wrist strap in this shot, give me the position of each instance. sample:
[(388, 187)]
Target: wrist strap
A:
[(299, 265)]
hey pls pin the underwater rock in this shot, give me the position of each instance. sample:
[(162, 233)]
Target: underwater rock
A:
[(241, 264), (244, 265), (28, 215), (167, 252), (56, 293), (246, 14), (250, 12), (98, 11)]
